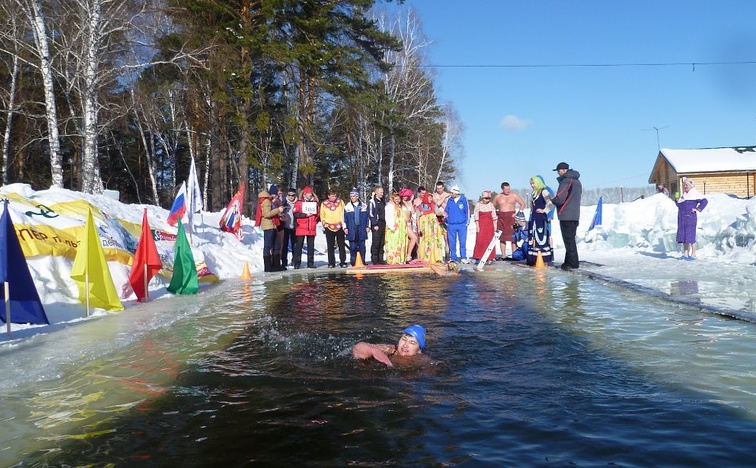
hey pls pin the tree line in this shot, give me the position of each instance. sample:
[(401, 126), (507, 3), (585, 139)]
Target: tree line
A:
[(122, 94)]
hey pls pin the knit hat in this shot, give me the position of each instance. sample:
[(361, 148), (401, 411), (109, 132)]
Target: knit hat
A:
[(455, 189), (307, 189), (486, 194), (417, 332), (273, 190), (520, 216), (354, 192)]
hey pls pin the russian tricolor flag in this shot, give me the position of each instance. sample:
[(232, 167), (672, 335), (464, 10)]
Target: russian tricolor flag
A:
[(178, 209)]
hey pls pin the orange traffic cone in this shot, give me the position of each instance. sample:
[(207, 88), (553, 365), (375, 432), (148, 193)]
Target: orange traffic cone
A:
[(358, 261), (245, 272), (539, 261)]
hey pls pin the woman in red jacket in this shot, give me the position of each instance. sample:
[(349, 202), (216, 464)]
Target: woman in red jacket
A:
[(306, 215)]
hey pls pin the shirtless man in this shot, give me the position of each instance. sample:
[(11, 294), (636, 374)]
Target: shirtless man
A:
[(410, 347), (440, 197), (505, 205)]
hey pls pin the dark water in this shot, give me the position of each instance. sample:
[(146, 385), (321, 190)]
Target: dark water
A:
[(530, 369)]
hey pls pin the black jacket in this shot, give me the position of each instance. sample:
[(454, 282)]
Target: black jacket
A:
[(567, 198), (377, 212)]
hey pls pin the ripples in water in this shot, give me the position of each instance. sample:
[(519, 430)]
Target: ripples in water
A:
[(529, 369)]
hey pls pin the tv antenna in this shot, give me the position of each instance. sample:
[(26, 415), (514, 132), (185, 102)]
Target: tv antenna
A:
[(658, 145)]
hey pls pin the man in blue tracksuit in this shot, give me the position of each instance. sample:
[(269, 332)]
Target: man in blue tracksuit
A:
[(357, 225), (457, 213)]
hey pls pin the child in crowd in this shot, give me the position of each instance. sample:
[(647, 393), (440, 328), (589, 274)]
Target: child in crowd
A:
[(520, 238)]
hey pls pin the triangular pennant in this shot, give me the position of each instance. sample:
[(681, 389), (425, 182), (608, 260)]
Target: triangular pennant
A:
[(146, 262), (184, 280), (91, 273), (25, 305)]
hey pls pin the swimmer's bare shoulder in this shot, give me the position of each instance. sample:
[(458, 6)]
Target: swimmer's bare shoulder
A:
[(420, 365), (416, 360)]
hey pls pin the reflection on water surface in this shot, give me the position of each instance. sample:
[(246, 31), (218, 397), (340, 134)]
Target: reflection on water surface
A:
[(529, 368)]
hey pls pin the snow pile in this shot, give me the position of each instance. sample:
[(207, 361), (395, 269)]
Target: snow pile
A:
[(726, 228)]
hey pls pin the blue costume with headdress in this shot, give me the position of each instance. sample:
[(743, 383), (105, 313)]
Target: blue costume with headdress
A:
[(539, 225)]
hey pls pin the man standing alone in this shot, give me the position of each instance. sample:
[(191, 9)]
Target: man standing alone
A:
[(377, 215), (567, 201)]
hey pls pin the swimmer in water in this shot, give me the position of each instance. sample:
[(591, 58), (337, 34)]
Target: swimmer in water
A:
[(450, 268), (409, 348)]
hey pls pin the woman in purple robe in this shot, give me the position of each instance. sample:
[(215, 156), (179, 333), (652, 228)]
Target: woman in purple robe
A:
[(688, 205)]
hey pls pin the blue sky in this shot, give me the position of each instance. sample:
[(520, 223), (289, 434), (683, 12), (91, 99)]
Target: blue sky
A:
[(573, 105)]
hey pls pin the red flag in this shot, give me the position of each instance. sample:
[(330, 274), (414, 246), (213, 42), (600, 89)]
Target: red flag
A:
[(231, 220), (146, 262)]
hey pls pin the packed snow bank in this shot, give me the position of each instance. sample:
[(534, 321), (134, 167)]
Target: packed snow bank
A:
[(726, 228)]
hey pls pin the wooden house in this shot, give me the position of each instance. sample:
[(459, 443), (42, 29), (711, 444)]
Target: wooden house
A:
[(714, 170)]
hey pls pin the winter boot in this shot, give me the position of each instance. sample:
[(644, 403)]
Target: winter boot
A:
[(268, 263), (277, 263)]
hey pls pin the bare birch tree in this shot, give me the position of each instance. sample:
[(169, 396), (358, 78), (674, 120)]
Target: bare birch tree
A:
[(93, 49), (13, 28), (32, 13), (451, 143), (409, 88)]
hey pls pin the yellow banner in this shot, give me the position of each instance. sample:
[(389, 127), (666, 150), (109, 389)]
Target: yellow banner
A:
[(58, 228)]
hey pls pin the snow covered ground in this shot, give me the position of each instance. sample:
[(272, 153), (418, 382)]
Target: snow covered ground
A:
[(635, 243)]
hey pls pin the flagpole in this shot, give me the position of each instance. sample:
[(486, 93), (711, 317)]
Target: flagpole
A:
[(146, 291), (6, 285), (86, 283)]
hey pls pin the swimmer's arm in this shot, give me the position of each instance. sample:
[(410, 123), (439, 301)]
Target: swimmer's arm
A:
[(438, 270), (379, 352)]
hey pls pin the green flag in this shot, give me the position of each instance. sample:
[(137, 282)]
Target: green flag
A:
[(184, 280)]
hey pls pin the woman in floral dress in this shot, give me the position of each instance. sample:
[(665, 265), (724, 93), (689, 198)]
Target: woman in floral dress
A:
[(397, 220), (430, 246), (411, 214)]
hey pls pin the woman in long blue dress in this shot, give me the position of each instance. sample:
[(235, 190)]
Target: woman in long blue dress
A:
[(688, 206), (539, 226)]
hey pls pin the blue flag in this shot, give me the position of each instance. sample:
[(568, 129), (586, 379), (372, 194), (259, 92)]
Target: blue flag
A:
[(597, 216), (25, 306)]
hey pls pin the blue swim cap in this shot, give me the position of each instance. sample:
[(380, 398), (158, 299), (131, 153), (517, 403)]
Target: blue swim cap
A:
[(418, 333)]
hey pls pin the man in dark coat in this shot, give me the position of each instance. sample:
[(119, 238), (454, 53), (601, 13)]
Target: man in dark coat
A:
[(377, 214), (567, 201)]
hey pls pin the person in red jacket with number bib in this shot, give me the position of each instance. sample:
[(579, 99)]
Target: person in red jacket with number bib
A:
[(306, 215)]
